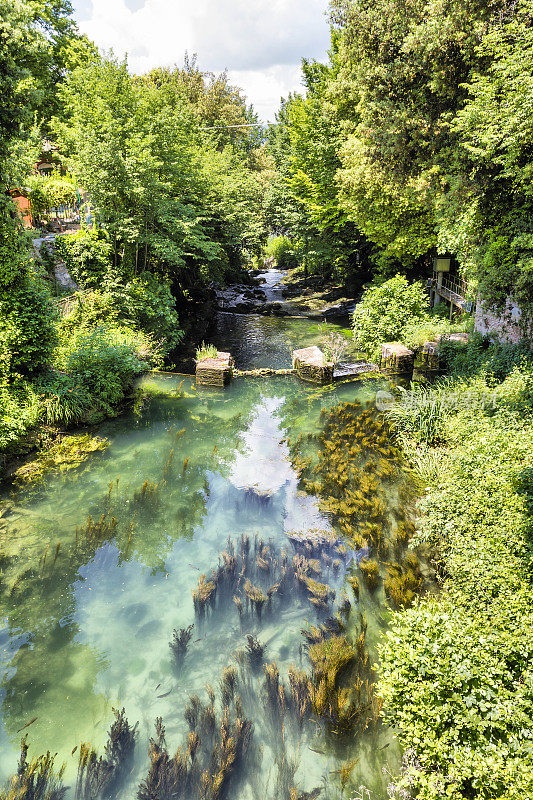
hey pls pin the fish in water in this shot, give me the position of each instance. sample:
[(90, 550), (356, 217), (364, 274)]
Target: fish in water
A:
[(159, 696), (74, 750), (157, 687), (27, 725), (321, 752)]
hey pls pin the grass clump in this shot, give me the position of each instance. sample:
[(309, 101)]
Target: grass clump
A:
[(206, 351)]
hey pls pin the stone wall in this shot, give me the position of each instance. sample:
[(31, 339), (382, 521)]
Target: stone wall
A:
[(505, 326)]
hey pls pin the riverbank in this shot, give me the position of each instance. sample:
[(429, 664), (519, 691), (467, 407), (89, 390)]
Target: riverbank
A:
[(456, 670)]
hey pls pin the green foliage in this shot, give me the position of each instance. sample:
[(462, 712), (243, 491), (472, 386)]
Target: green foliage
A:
[(302, 200), (104, 362), (146, 303), (206, 351), (281, 249), (19, 412), (87, 256), (456, 669), (27, 332), (386, 311), (170, 199), (482, 356), (49, 191)]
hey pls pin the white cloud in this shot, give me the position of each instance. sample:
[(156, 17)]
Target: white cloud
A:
[(261, 42)]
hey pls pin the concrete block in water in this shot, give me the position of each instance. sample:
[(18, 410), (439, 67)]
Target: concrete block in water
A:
[(396, 359), (311, 365), (427, 357), (215, 371)]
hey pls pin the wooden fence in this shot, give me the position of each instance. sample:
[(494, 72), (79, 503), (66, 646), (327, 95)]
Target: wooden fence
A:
[(66, 305)]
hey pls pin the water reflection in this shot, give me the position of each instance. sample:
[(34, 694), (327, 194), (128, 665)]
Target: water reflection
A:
[(86, 634)]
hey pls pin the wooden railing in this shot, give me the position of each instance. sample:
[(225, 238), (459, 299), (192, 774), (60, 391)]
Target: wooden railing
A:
[(65, 305)]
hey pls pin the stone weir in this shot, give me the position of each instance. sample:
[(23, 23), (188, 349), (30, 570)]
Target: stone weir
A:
[(309, 364)]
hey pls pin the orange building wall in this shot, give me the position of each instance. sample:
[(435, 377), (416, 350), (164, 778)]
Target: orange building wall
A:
[(23, 207)]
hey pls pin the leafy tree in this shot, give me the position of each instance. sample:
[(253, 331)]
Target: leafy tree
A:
[(160, 191), (386, 311), (219, 107), (87, 256), (303, 201)]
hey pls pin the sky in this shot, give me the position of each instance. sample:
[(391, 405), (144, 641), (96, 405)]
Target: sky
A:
[(261, 42)]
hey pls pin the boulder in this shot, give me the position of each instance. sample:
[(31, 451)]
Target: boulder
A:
[(396, 359)]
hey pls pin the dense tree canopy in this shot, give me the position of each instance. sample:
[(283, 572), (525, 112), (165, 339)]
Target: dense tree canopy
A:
[(416, 137)]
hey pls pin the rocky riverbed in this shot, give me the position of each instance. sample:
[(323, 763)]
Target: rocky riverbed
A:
[(274, 296)]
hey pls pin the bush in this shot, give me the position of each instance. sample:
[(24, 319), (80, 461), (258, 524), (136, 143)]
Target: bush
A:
[(147, 304), (87, 256), (103, 362), (282, 250), (19, 412), (387, 311), (456, 670), (144, 304), (482, 356), (27, 330)]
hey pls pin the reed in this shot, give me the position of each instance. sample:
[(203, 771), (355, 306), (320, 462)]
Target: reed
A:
[(179, 644)]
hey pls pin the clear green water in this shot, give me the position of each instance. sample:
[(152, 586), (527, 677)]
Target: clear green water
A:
[(90, 631), (255, 341)]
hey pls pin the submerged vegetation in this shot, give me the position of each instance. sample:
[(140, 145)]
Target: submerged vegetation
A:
[(397, 608)]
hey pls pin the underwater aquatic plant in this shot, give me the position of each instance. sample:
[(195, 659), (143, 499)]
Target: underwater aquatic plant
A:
[(201, 770), (256, 597), (254, 651), (299, 688), (35, 779), (227, 684), (149, 495), (354, 583), (180, 643), (370, 570), (100, 776), (404, 581), (95, 532), (63, 455), (204, 593)]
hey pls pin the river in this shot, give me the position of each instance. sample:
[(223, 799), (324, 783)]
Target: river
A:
[(85, 626)]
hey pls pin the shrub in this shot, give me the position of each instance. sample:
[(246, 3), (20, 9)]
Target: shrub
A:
[(282, 250), (147, 303), (387, 311), (19, 412), (456, 669), (144, 304), (27, 331), (482, 356), (105, 361), (87, 256)]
